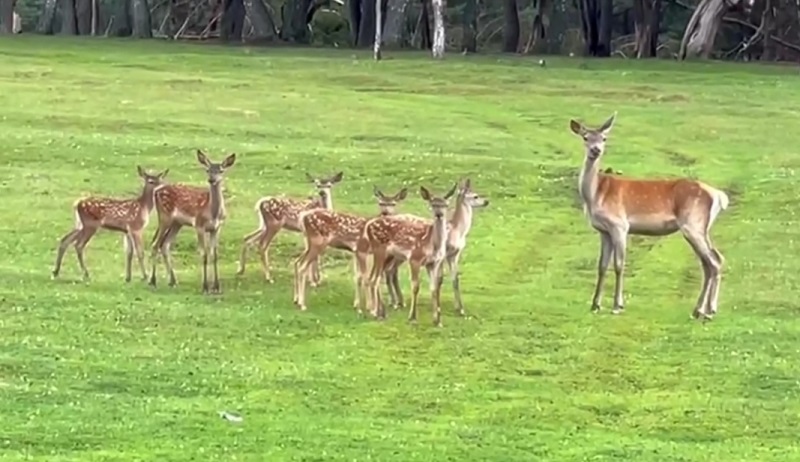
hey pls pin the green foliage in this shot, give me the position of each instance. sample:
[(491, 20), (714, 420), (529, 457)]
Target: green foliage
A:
[(114, 371)]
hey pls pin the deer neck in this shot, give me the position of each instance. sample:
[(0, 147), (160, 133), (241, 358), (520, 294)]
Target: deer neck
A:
[(587, 182), (461, 221), (327, 202), (215, 202), (147, 198), (439, 237)]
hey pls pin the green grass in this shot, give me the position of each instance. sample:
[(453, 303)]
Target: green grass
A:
[(113, 371)]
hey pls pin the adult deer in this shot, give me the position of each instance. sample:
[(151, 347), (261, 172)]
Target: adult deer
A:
[(128, 216), (421, 243), (617, 206), (324, 228), (459, 227), (201, 208), (277, 212)]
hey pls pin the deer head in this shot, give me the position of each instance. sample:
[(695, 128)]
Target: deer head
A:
[(594, 140), (151, 180), (324, 186), (386, 203), (438, 205), (470, 197), (213, 169)]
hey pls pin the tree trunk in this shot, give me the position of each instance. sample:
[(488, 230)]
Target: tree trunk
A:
[(510, 26), (647, 18), (469, 41), (541, 22), (83, 16), (260, 18), (376, 49), (596, 17), (354, 9), (394, 24), (424, 27), (295, 27), (122, 19), (6, 16), (698, 39), (437, 49), (366, 30), (47, 17), (232, 21), (141, 19), (68, 19)]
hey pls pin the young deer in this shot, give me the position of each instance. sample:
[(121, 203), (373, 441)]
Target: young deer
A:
[(326, 228), (421, 243), (617, 206), (129, 216), (201, 208), (277, 213), (459, 227)]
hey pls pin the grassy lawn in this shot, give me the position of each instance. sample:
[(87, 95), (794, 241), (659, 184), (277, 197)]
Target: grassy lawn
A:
[(112, 371)]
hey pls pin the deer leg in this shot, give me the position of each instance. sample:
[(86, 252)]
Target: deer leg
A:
[(396, 283), (68, 239), (83, 239), (452, 265), (378, 263), (713, 298), (156, 248), (247, 241), (316, 275), (710, 269), (606, 252), (304, 270), (202, 244), (139, 248), (172, 233), (296, 282), (213, 238), (619, 244), (435, 282), (263, 248), (127, 243), (389, 275), (415, 267)]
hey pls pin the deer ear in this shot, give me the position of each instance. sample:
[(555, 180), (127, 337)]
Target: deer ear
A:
[(310, 178), (424, 193), (401, 195), (606, 127), (467, 184), (451, 192), (229, 161), (164, 173), (377, 192), (337, 178), (140, 171), (202, 158), (576, 127)]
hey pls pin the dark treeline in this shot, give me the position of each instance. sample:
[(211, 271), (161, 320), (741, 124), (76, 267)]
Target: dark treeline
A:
[(722, 29)]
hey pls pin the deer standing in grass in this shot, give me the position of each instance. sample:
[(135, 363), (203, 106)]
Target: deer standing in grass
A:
[(324, 228), (201, 208), (459, 227), (277, 213), (617, 206), (421, 243), (128, 216)]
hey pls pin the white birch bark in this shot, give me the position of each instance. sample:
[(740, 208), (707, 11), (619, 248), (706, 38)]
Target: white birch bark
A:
[(376, 50), (438, 29)]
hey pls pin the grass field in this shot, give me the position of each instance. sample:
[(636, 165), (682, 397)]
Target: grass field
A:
[(112, 371)]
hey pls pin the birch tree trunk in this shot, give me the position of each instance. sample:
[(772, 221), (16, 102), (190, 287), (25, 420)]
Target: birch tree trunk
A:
[(437, 50), (376, 51)]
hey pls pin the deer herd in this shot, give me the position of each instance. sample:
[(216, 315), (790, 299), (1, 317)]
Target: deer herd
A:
[(614, 206)]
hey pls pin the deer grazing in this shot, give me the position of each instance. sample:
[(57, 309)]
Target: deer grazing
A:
[(324, 228), (617, 206), (201, 208), (459, 227), (276, 213), (128, 216), (421, 243)]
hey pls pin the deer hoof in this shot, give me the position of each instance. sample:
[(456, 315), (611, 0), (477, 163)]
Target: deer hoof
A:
[(54, 275), (595, 309), (617, 310)]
